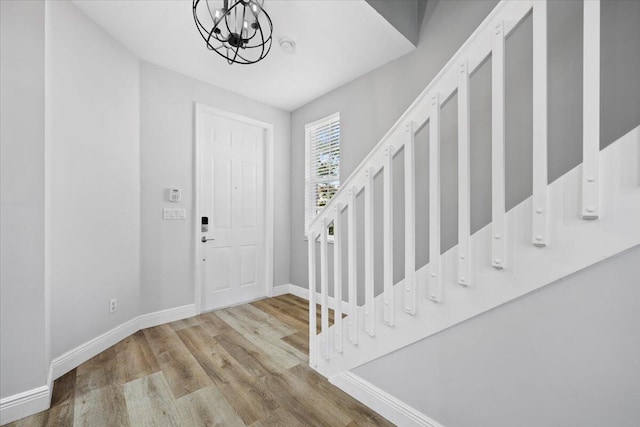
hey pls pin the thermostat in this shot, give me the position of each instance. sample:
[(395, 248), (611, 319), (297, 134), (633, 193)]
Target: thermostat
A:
[(175, 195)]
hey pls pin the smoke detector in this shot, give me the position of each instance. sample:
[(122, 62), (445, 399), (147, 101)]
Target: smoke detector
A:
[(287, 45)]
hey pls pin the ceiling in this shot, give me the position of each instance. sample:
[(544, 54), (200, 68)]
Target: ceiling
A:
[(336, 41)]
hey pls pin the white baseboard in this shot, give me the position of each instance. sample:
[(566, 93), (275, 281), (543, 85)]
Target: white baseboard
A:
[(166, 316), (38, 399), (24, 404), (393, 409), (77, 356), (281, 290), (298, 291), (304, 293)]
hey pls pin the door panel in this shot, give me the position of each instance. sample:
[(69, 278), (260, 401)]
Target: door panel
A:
[(249, 195), (222, 193), (220, 271), (232, 197), (248, 265)]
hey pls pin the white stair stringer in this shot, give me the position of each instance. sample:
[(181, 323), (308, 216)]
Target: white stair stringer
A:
[(574, 244)]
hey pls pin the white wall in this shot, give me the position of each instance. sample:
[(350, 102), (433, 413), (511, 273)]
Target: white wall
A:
[(23, 352), (93, 136), (565, 355), (167, 119)]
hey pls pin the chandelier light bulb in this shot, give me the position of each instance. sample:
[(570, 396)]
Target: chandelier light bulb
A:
[(241, 32)]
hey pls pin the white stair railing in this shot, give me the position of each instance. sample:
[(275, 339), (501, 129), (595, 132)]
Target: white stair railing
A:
[(487, 40)]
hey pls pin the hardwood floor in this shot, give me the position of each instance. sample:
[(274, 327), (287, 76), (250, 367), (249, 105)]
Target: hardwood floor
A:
[(245, 365)]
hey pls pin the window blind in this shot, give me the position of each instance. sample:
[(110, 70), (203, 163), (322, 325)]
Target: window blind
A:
[(322, 177)]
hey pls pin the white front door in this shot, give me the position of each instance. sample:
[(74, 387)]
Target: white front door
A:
[(232, 201)]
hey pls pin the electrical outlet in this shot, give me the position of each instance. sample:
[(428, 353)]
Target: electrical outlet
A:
[(113, 305)]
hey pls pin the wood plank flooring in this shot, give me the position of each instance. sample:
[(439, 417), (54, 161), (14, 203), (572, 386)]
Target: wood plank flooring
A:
[(245, 365)]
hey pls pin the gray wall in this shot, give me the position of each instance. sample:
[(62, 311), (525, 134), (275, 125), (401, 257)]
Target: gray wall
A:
[(167, 106), (22, 195), (370, 104), (565, 355), (93, 136)]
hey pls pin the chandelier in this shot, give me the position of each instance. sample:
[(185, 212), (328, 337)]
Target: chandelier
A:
[(240, 31)]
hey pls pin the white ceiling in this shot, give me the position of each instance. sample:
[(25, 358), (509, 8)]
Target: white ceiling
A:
[(336, 41)]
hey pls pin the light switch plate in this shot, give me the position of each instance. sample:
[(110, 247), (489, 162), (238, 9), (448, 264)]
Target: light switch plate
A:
[(174, 214)]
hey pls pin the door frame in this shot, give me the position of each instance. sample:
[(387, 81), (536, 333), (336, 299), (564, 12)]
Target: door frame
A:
[(268, 200)]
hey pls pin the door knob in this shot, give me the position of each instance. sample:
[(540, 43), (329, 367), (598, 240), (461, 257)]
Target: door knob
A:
[(205, 240)]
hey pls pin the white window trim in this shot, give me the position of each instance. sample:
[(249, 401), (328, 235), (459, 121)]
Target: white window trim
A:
[(307, 163)]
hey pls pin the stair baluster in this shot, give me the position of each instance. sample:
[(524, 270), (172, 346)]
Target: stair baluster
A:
[(464, 180), (591, 111), (313, 337), (369, 230), (337, 277), (498, 224), (324, 290), (540, 171), (410, 290), (389, 298), (435, 266), (353, 268)]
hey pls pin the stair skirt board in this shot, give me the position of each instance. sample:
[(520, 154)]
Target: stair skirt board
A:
[(33, 401), (393, 409), (574, 244)]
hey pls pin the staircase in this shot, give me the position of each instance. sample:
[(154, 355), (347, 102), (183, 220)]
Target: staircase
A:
[(590, 213)]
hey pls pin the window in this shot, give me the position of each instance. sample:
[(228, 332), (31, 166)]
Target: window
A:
[(322, 171)]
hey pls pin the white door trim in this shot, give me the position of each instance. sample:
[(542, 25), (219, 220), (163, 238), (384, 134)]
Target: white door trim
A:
[(268, 203)]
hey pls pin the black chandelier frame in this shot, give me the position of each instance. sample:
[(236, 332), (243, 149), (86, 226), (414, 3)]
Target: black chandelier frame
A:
[(232, 43)]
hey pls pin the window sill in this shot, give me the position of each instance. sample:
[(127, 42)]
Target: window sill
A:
[(330, 239)]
